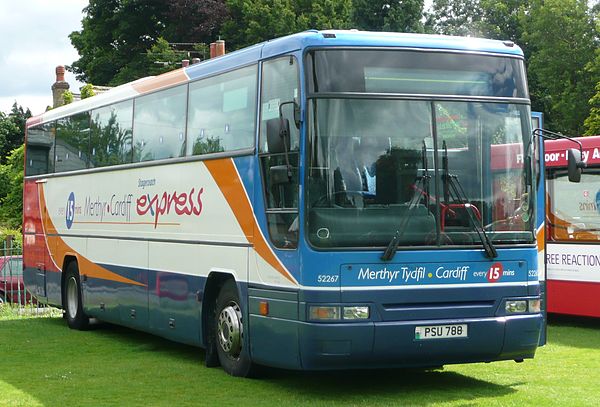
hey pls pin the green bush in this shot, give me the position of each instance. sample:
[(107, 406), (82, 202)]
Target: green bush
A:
[(17, 242)]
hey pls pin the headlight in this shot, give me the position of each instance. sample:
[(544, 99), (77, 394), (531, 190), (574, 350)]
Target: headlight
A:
[(338, 313), (356, 312), (326, 313), (516, 306)]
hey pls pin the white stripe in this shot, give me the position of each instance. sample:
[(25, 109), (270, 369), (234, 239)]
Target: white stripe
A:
[(428, 286)]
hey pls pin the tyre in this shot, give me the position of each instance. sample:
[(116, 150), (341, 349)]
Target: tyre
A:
[(73, 304), (229, 332)]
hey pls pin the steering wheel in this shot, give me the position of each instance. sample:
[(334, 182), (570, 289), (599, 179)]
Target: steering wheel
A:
[(507, 222)]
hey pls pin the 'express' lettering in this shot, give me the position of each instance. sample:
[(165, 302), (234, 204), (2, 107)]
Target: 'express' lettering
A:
[(182, 203)]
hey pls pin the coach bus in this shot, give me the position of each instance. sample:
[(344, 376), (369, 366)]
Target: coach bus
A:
[(573, 230), (319, 201)]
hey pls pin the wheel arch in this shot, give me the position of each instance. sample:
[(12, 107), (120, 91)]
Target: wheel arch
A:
[(214, 282)]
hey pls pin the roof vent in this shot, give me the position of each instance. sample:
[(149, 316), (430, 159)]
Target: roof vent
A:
[(328, 35), (508, 43)]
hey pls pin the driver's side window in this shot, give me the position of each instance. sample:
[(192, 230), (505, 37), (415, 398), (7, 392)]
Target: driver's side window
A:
[(280, 94)]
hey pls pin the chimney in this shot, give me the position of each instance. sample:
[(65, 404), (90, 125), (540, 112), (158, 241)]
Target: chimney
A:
[(59, 87), (219, 48), (185, 63), (213, 50)]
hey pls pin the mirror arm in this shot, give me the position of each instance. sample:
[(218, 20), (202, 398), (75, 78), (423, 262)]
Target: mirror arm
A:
[(551, 135)]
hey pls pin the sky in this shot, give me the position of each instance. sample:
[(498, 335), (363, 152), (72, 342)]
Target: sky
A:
[(33, 41)]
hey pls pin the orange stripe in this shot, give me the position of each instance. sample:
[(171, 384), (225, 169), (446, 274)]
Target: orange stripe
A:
[(59, 249), (541, 236), (225, 175), (161, 81)]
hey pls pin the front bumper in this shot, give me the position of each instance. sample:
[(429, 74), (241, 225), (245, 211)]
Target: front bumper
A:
[(326, 346)]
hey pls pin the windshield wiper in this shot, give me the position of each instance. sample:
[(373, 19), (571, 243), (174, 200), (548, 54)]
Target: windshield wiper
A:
[(420, 187), (452, 184)]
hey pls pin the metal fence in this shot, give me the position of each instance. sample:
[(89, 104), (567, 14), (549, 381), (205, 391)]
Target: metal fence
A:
[(12, 287)]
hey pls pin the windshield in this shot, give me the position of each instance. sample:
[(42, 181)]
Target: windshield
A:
[(427, 169)]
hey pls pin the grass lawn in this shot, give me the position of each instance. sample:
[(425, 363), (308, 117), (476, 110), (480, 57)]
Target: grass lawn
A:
[(43, 363)]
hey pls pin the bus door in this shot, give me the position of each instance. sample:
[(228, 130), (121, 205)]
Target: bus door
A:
[(537, 123)]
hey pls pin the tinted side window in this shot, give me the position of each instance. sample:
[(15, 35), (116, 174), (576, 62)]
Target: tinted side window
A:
[(159, 125), (111, 135), (222, 112), (40, 150), (72, 142)]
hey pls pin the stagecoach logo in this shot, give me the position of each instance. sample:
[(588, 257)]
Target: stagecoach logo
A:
[(70, 210)]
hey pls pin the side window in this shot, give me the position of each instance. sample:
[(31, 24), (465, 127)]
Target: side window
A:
[(159, 125), (40, 150), (72, 143), (111, 131), (222, 111), (573, 214), (280, 91)]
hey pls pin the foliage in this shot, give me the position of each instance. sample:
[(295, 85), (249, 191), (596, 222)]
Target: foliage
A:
[(162, 58), (11, 189), (17, 242), (112, 141), (12, 130), (208, 145), (562, 39), (454, 17), (67, 97), (123, 40), (592, 123), (87, 91), (383, 15), (260, 20), (194, 21), (114, 39), (501, 19)]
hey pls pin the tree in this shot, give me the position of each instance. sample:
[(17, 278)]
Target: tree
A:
[(12, 130), (455, 17), (11, 189), (114, 39), (194, 21), (592, 123), (260, 20), (385, 15), (562, 39), (501, 19)]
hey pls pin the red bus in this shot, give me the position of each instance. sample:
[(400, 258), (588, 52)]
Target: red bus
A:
[(573, 230)]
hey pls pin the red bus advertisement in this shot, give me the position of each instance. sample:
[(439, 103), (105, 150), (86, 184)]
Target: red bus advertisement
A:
[(573, 230)]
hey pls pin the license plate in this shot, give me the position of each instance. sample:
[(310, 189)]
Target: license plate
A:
[(441, 331)]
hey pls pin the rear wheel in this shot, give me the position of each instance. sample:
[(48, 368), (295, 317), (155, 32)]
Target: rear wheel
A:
[(229, 332), (73, 304)]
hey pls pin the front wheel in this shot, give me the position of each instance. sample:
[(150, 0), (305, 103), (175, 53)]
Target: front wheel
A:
[(229, 332), (73, 304)]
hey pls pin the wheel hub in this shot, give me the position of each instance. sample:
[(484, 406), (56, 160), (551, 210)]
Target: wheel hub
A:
[(230, 330), (72, 297)]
